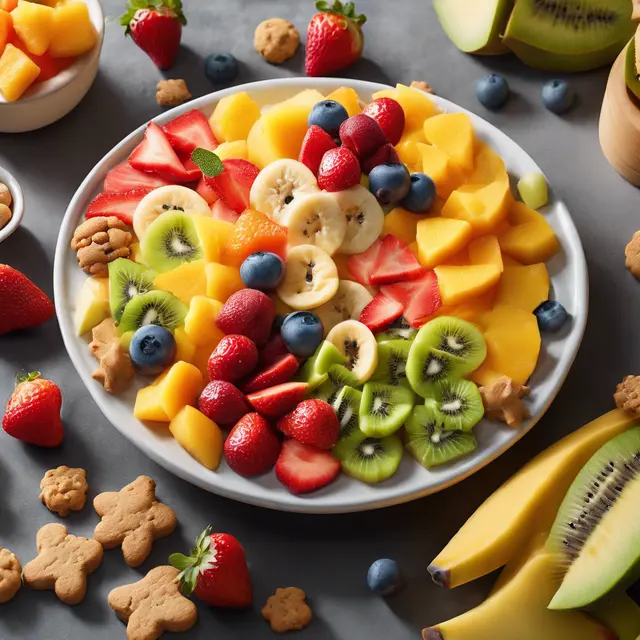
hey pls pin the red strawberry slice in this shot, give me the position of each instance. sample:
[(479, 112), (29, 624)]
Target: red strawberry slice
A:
[(279, 372), (156, 155), (120, 205), (361, 266), (190, 131), (315, 144), (190, 166), (276, 401), (233, 185), (221, 211), (303, 468), (125, 178), (420, 298), (395, 263), (206, 192), (380, 313)]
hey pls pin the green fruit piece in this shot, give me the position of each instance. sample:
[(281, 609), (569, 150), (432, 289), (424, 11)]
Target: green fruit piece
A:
[(533, 189), (429, 443), (337, 378), (459, 403), (171, 240), (156, 307), (384, 408), (392, 363), (399, 330), (315, 369), (126, 280), (597, 529), (631, 72), (367, 459), (347, 406)]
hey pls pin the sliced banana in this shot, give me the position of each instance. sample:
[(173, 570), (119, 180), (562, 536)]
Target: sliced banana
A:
[(279, 185), (365, 218), (348, 303), (355, 341), (316, 219), (165, 199), (310, 278)]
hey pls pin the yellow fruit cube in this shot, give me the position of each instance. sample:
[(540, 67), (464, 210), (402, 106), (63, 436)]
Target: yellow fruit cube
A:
[(6, 29), (200, 323), (348, 98), (461, 283), (213, 235), (484, 375), (524, 287), (403, 224), (486, 250), (200, 437), (417, 105), (438, 166), (17, 73), (73, 31), (185, 347), (453, 134), (441, 238), (33, 23), (237, 149), (202, 354), (460, 259), (222, 281), (148, 405), (180, 387), (234, 116), (408, 149), (471, 309), (93, 304), (184, 282)]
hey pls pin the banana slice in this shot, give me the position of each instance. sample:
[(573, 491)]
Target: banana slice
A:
[(310, 278), (364, 216), (348, 303), (165, 199), (316, 219), (279, 185), (358, 344)]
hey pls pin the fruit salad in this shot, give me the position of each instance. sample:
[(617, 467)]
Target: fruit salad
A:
[(331, 282)]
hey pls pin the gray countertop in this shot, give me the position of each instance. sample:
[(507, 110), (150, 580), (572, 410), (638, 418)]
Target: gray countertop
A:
[(328, 556)]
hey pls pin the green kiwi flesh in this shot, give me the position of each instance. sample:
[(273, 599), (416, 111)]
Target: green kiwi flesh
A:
[(368, 459), (347, 406), (631, 73), (315, 369), (337, 378), (400, 329), (392, 363), (384, 408), (459, 403), (597, 529), (156, 307), (127, 279)]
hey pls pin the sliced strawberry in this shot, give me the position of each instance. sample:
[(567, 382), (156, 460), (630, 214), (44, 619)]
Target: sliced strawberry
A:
[(190, 131), (190, 166), (420, 298), (315, 144), (156, 155), (279, 372), (361, 265), (380, 313), (221, 211), (303, 468), (276, 401), (274, 350), (395, 263), (120, 205), (125, 178), (206, 192), (234, 183)]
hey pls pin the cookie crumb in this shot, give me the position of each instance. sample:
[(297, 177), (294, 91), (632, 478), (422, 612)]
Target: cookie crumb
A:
[(287, 610), (10, 575), (171, 93), (423, 86), (627, 395), (632, 255), (503, 401), (276, 40), (64, 490)]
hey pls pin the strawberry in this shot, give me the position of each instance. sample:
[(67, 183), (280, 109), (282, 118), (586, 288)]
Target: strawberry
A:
[(389, 115), (156, 27), (315, 144), (233, 185), (223, 403), (385, 153), (362, 135), (334, 38), (276, 401), (361, 265), (190, 131), (235, 357), (339, 170), (125, 178), (279, 372), (33, 412), (192, 169), (206, 192), (312, 422), (252, 447), (221, 211), (395, 263), (303, 468), (120, 205), (380, 313), (248, 312), (273, 351), (420, 298), (216, 571), (22, 304)]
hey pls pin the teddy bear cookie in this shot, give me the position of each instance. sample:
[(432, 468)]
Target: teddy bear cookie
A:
[(287, 610), (10, 575), (63, 563), (502, 401), (171, 93), (276, 40), (133, 518), (64, 490), (153, 605)]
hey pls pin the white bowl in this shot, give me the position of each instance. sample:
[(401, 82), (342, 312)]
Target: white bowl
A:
[(17, 204), (568, 274), (46, 102)]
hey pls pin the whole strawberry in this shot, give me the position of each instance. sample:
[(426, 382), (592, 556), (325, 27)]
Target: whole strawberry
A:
[(234, 357), (339, 170), (22, 304), (312, 422), (252, 447), (33, 412), (216, 571), (156, 27), (334, 38), (222, 402)]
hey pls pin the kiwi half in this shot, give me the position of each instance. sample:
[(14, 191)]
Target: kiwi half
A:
[(337, 378), (127, 279), (392, 363), (155, 307), (347, 406), (459, 403), (384, 408), (315, 370), (399, 329)]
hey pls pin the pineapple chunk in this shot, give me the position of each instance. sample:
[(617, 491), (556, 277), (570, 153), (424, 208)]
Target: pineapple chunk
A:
[(222, 281), (34, 25), (17, 73), (200, 323), (234, 116), (93, 304), (348, 98), (73, 31), (237, 149), (184, 282)]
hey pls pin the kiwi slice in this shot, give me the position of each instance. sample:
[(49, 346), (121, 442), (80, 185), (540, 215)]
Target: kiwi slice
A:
[(426, 368), (429, 442), (384, 408), (368, 459), (347, 406), (155, 307), (336, 378), (596, 531), (315, 369), (127, 279), (171, 240), (631, 72), (399, 329), (392, 363), (459, 403)]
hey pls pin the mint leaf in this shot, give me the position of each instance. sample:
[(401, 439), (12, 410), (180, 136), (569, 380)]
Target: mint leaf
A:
[(208, 162)]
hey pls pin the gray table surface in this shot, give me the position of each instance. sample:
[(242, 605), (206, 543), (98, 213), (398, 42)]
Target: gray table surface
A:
[(328, 556)]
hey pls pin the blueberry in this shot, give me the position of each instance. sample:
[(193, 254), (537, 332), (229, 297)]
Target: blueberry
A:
[(389, 182), (551, 315), (492, 91), (328, 115), (302, 333), (384, 577), (557, 96), (220, 68), (152, 349), (262, 270), (422, 193)]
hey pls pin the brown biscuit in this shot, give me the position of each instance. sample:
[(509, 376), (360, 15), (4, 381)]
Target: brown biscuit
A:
[(63, 563), (287, 610), (276, 40), (153, 605), (64, 490), (632, 255), (133, 518), (627, 395), (171, 93), (10, 575), (502, 401)]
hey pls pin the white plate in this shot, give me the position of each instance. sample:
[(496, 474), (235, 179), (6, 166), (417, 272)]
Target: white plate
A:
[(568, 273)]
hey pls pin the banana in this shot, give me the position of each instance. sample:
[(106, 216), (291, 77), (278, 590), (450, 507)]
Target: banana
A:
[(364, 216), (348, 303), (358, 344), (310, 278), (164, 199), (316, 219), (279, 185)]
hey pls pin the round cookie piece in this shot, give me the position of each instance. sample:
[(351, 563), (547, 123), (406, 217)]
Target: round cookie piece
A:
[(276, 40)]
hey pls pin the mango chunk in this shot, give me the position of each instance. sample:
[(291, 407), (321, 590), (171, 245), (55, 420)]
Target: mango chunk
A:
[(486, 250), (202, 354), (200, 322), (237, 149), (524, 287), (33, 23), (73, 33), (222, 281), (148, 405), (199, 436), (408, 149), (6, 29), (417, 105), (452, 133), (185, 347), (185, 282), (348, 98), (438, 166), (471, 309), (461, 283), (403, 224), (213, 235), (180, 387), (17, 73), (440, 238), (234, 116)]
